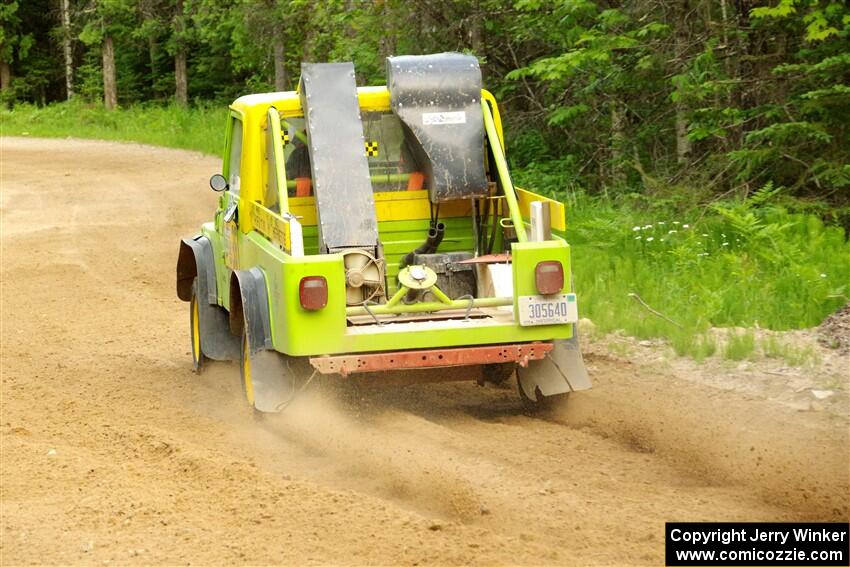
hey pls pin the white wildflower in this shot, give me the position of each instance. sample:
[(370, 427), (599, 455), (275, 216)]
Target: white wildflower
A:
[(823, 275), (672, 231), (703, 254), (675, 222), (647, 227), (725, 244), (635, 228), (704, 234), (660, 223), (686, 226), (650, 239), (638, 237)]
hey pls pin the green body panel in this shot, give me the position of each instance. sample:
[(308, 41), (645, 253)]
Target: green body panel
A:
[(298, 332), (221, 272), (295, 330), (526, 256)]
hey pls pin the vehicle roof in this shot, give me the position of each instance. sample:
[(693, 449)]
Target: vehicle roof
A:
[(375, 98), (253, 107)]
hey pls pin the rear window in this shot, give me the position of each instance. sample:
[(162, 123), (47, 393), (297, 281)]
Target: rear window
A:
[(386, 148)]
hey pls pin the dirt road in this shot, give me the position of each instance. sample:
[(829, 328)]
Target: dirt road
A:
[(114, 452)]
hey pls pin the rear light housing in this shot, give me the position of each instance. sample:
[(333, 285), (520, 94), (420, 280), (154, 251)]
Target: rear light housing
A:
[(549, 277), (313, 292)]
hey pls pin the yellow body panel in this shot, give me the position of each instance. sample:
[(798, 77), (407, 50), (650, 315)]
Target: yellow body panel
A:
[(272, 226), (557, 210), (389, 206)]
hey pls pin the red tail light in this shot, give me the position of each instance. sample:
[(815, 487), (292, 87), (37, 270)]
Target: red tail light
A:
[(313, 292), (549, 277)]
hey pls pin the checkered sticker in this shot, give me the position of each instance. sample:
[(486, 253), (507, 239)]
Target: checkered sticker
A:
[(285, 138), (372, 149)]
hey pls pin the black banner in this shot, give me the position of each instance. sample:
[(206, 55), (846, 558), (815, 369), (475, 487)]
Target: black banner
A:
[(746, 543)]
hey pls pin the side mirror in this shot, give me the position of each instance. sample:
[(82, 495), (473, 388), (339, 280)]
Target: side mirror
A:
[(218, 183)]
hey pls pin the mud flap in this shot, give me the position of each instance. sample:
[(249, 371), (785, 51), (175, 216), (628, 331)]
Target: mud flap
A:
[(272, 380), (561, 372), (195, 263), (267, 375)]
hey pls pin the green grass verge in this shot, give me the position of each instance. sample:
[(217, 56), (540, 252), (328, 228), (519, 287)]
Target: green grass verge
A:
[(734, 264), (739, 264), (194, 128)]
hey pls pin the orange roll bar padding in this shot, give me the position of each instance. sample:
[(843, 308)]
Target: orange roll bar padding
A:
[(303, 186), (416, 181)]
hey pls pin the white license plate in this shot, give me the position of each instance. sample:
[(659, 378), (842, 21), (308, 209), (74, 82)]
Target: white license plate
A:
[(547, 310)]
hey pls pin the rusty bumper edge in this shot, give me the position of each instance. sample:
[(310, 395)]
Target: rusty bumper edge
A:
[(432, 358)]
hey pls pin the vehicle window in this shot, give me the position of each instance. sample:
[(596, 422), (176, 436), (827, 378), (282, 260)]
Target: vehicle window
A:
[(391, 163), (270, 195), (235, 158), (296, 157)]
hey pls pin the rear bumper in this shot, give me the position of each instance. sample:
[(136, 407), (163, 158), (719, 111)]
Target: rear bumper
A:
[(519, 353)]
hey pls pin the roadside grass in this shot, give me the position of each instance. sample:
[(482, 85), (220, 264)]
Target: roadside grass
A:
[(674, 273), (804, 356), (740, 346), (199, 128), (698, 347), (662, 270)]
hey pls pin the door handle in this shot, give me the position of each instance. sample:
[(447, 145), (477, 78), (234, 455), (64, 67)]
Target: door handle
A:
[(230, 213)]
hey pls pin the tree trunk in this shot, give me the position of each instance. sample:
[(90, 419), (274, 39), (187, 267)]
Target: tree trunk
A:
[(110, 94), (66, 49), (387, 43), (475, 31), (618, 142), (152, 54), (279, 63), (683, 143), (5, 76), (181, 93)]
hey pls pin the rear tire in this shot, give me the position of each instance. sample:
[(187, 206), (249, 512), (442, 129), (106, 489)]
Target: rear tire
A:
[(199, 360), (497, 374), (245, 369), (269, 378), (245, 376), (542, 403)]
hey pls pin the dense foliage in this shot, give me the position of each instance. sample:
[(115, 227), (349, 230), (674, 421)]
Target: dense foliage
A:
[(725, 120), (683, 100)]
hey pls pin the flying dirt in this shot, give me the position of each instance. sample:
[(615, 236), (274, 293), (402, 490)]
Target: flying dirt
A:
[(113, 451)]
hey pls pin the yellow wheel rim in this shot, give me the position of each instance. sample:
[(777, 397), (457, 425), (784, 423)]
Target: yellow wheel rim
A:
[(196, 332), (246, 369)]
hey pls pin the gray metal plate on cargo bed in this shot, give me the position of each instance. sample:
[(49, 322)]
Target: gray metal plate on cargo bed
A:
[(438, 97), (344, 201)]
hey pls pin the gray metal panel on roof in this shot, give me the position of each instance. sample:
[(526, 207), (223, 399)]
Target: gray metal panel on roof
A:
[(343, 188), (438, 97)]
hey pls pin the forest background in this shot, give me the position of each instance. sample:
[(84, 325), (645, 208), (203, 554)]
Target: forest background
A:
[(701, 145)]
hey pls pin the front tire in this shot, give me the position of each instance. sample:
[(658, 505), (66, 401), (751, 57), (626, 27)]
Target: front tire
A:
[(199, 360)]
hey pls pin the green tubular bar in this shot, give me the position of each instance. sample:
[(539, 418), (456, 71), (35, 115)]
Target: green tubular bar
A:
[(438, 293), (378, 179), (504, 176), (428, 307), (395, 299)]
